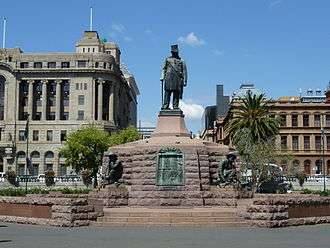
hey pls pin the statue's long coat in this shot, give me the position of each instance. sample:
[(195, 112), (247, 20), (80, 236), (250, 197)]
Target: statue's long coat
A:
[(174, 74)]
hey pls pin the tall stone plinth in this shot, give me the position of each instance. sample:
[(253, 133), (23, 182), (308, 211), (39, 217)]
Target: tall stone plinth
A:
[(171, 123), (171, 169)]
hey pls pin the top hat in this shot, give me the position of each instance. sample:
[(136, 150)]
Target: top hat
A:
[(174, 48)]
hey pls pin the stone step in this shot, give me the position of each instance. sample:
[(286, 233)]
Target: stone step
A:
[(181, 224), (168, 219), (207, 216)]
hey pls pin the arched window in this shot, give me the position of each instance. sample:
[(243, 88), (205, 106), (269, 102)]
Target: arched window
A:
[(49, 154), (20, 154), (35, 154), (2, 96), (295, 163), (318, 166), (307, 166)]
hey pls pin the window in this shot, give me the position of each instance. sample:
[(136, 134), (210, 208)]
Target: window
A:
[(82, 63), (21, 169), (317, 120), (85, 86), (282, 120), (93, 50), (63, 170), (35, 154), (83, 49), (35, 135), (49, 167), (307, 166), (66, 102), (318, 165), (284, 144), (38, 116), (77, 86), (307, 143), (21, 154), (65, 64), (63, 135), (21, 135), (80, 115), (294, 120), (327, 120), (295, 142), (49, 154), (51, 116), (328, 142), (306, 120), (35, 170), (49, 135), (318, 142), (96, 64), (24, 65), (81, 100), (51, 65), (88, 49), (37, 65), (65, 116), (51, 101)]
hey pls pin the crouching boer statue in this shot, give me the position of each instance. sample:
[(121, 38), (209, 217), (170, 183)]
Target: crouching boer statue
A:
[(113, 172)]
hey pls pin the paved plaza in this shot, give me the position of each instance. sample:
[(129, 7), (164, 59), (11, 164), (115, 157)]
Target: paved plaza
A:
[(12, 235)]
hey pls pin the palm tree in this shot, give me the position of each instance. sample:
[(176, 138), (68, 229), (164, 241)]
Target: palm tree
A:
[(253, 114)]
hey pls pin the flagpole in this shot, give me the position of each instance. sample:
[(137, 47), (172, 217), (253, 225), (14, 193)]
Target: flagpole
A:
[(91, 19), (4, 33)]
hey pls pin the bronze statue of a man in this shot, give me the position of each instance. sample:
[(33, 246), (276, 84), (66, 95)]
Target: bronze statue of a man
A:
[(173, 78)]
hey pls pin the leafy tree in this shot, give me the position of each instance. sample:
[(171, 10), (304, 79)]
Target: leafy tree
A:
[(126, 135), (252, 130), (84, 149), (252, 114)]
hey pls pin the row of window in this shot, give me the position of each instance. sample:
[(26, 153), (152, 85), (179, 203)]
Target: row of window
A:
[(307, 142), (22, 135), (66, 64), (305, 120), (34, 170), (307, 166)]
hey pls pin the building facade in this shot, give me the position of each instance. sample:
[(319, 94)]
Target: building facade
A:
[(304, 129), (53, 94)]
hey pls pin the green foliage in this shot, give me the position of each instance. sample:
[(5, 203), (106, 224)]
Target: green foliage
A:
[(84, 149), (21, 191), (316, 192), (253, 114), (126, 135)]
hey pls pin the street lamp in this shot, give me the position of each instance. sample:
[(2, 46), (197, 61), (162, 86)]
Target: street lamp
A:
[(323, 151), (27, 152)]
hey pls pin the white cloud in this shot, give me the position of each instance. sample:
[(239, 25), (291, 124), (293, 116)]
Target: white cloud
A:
[(275, 3), (148, 32), (118, 28), (191, 110), (128, 39), (217, 52), (192, 40)]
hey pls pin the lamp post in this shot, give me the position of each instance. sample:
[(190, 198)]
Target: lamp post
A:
[(323, 151), (27, 151)]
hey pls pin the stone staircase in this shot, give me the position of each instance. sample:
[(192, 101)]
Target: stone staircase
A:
[(177, 217)]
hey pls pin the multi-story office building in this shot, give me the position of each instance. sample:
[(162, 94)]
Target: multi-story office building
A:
[(56, 93), (304, 129)]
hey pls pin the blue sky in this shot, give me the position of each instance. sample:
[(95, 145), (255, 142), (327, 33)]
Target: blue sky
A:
[(280, 45)]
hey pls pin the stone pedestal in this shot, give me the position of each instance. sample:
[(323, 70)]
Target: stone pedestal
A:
[(171, 123)]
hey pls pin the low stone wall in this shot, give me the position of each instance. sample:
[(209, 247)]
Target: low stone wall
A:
[(53, 209), (287, 210)]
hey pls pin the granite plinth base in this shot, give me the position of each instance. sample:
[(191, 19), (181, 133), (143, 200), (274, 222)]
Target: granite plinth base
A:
[(171, 123)]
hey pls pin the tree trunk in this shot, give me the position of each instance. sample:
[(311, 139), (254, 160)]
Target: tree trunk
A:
[(95, 178)]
